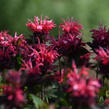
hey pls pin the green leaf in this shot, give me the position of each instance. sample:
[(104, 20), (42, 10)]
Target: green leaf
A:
[(37, 101), (101, 100)]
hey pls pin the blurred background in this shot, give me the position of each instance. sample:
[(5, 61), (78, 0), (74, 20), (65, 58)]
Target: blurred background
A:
[(90, 13)]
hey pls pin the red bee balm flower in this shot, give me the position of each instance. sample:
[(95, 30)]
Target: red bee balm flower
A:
[(41, 60), (69, 43), (5, 39), (13, 96), (100, 37), (68, 46), (40, 25), (71, 27), (81, 86), (103, 58)]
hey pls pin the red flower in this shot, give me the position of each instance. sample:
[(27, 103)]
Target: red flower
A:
[(21, 45), (71, 27), (100, 37), (59, 76), (47, 54), (30, 68), (40, 62), (40, 25), (10, 48), (43, 54), (19, 40), (81, 86), (68, 45), (13, 96), (106, 101), (103, 56), (5, 39)]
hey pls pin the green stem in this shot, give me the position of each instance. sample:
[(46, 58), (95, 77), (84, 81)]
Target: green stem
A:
[(60, 66), (42, 93)]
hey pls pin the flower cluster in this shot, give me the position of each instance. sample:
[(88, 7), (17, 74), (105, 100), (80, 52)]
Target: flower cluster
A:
[(100, 46), (103, 58), (66, 46), (10, 48), (12, 96), (40, 28), (69, 43), (100, 37), (41, 67), (40, 25), (11, 92), (5, 39), (71, 27), (81, 86), (40, 64)]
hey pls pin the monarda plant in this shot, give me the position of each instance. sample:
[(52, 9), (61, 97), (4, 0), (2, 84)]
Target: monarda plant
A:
[(54, 72)]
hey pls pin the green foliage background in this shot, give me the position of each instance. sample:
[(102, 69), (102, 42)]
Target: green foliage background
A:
[(90, 13)]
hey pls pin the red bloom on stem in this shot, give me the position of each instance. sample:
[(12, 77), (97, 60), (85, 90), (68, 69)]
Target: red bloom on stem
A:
[(69, 45), (47, 54), (71, 27), (59, 76), (40, 63), (100, 37), (103, 58), (30, 68), (5, 39), (21, 45), (43, 54), (81, 86), (13, 96), (40, 25), (10, 48), (19, 40)]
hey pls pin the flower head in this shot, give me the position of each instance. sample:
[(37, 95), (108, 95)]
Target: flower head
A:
[(100, 37), (5, 39), (81, 86), (71, 27), (103, 58), (69, 45), (40, 63), (40, 25), (13, 96), (10, 48)]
